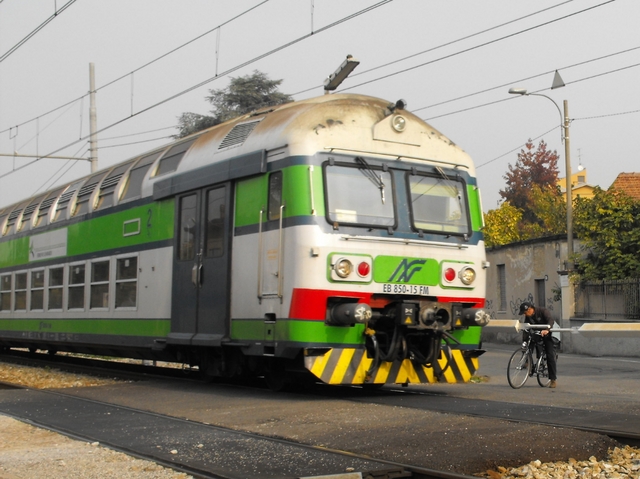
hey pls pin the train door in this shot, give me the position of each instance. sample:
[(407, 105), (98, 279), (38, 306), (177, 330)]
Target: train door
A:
[(271, 257), (200, 302), (271, 241)]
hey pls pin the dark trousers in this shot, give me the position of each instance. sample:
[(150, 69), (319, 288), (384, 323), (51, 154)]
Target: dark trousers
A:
[(551, 356), (547, 342)]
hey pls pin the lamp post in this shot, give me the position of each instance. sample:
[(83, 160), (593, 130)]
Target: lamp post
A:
[(564, 122)]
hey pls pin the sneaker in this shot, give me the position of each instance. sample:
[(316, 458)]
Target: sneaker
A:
[(553, 383)]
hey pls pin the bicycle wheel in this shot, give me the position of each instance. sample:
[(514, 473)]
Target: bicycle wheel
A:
[(543, 371), (519, 367)]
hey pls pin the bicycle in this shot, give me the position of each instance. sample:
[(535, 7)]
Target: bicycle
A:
[(521, 365)]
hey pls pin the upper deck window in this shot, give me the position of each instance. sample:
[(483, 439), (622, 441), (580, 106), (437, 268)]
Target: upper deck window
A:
[(13, 218), (359, 194), (86, 193), (63, 202), (171, 159), (25, 222), (133, 187), (108, 186), (438, 203), (45, 207)]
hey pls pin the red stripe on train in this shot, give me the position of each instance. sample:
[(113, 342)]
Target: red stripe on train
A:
[(312, 303)]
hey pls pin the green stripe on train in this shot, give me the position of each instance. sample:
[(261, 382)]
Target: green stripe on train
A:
[(251, 195), (115, 327), (132, 227)]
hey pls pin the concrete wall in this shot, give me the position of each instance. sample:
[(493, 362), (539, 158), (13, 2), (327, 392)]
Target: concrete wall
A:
[(532, 274)]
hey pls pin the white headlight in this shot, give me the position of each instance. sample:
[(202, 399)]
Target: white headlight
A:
[(343, 268), (467, 275), (399, 123)]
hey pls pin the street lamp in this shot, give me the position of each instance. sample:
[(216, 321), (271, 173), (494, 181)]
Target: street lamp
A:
[(564, 122)]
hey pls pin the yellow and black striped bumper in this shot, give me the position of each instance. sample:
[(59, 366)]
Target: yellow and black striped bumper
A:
[(350, 366)]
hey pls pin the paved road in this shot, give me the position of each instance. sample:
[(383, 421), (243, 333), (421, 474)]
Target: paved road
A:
[(595, 383)]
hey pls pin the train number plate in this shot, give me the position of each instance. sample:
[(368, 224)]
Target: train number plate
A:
[(405, 289)]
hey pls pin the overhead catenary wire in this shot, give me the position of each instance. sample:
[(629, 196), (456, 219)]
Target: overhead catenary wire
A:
[(475, 47), (204, 82), (141, 67), (38, 28)]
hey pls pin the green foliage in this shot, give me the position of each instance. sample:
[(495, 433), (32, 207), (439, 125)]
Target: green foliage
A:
[(501, 225), (609, 227), (243, 95), (534, 206)]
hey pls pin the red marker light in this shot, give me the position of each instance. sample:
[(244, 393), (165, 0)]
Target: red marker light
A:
[(364, 269), (449, 274)]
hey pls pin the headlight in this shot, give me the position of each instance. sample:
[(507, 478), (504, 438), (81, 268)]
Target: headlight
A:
[(467, 275), (399, 123), (343, 268)]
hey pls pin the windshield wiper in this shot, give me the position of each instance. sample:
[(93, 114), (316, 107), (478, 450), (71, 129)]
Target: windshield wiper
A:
[(371, 174)]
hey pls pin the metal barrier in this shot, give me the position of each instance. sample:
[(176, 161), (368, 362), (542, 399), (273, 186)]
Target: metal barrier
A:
[(590, 330), (610, 299)]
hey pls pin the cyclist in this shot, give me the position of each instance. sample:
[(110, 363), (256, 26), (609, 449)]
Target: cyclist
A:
[(535, 315)]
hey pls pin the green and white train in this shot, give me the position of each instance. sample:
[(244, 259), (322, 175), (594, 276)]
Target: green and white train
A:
[(337, 237)]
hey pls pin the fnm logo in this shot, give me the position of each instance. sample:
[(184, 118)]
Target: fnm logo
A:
[(405, 270)]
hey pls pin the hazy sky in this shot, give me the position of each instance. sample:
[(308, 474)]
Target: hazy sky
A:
[(452, 61)]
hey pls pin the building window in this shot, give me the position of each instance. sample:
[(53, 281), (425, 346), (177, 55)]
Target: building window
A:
[(5, 292), (502, 288), (21, 292), (127, 282), (37, 290), (56, 280), (76, 286), (99, 285)]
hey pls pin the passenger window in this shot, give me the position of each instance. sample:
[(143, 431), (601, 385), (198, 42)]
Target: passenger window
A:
[(13, 218), (45, 207), (99, 284), (85, 194), (25, 222), (21, 292), (37, 290), (76, 286), (127, 282), (187, 232), (5, 292), (63, 202), (133, 186), (171, 159), (108, 186), (275, 195), (215, 223), (56, 279)]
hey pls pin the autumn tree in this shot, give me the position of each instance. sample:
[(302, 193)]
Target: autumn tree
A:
[(243, 95), (534, 167), (608, 226), (533, 205), (501, 225)]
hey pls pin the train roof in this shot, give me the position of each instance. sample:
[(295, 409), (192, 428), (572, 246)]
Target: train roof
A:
[(341, 123)]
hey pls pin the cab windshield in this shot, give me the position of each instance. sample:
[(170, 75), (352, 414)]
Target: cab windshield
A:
[(360, 195), (438, 204)]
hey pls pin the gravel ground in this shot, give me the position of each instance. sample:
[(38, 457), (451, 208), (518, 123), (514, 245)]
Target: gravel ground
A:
[(30, 452)]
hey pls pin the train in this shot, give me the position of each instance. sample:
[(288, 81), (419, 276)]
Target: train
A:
[(335, 239)]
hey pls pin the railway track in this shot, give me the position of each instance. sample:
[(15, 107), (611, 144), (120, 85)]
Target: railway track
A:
[(201, 450), (624, 428), (405, 398)]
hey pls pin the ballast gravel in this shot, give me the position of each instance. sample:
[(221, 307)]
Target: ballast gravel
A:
[(30, 452)]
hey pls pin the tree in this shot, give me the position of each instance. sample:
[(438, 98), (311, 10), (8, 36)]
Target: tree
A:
[(609, 227), (539, 167), (243, 95), (502, 225)]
